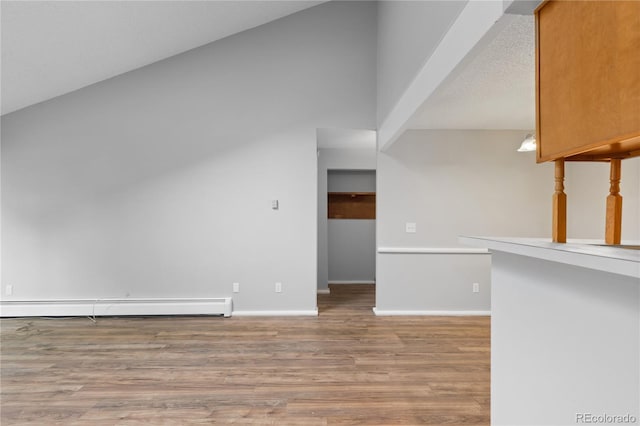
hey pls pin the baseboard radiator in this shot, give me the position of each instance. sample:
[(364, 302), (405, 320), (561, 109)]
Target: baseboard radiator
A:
[(116, 307)]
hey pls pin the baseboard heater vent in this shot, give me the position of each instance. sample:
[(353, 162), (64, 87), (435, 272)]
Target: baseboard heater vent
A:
[(116, 307)]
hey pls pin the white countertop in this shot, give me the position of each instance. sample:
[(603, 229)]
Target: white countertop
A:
[(592, 254)]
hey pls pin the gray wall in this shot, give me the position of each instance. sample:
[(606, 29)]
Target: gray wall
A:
[(460, 182), (352, 242), (351, 181), (405, 43), (158, 183), (453, 183)]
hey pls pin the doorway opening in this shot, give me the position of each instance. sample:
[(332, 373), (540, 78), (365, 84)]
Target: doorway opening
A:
[(347, 248)]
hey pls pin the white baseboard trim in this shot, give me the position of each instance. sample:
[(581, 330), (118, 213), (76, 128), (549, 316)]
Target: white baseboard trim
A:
[(383, 312), (116, 307), (353, 282), (310, 313), (324, 291)]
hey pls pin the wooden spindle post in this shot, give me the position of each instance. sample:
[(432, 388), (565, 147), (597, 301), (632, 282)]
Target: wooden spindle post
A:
[(613, 228), (559, 226)]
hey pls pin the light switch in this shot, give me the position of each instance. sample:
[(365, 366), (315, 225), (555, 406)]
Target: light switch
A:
[(410, 227), (274, 204)]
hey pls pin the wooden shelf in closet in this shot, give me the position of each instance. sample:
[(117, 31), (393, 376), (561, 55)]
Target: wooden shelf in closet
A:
[(351, 205)]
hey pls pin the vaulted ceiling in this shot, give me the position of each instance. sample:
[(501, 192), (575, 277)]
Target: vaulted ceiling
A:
[(54, 47), (50, 48)]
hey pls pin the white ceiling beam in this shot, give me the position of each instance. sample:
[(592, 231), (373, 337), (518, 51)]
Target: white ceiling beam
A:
[(521, 7)]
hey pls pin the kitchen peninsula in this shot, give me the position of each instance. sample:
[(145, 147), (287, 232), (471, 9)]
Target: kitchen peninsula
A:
[(565, 330)]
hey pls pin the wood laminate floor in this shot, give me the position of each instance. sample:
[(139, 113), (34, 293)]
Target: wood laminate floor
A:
[(345, 367)]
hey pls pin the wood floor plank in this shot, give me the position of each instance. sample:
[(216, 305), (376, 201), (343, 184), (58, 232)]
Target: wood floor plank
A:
[(345, 367)]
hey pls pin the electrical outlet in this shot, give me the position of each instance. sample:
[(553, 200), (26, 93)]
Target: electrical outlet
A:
[(476, 287), (236, 287), (410, 227), (8, 290), (278, 287)]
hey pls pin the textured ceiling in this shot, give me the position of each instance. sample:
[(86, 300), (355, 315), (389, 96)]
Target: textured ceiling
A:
[(495, 90), (54, 47)]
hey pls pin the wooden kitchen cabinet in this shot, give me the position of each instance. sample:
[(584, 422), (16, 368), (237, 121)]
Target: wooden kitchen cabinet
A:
[(588, 93), (588, 80)]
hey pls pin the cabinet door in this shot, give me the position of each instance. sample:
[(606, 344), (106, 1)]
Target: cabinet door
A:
[(588, 79)]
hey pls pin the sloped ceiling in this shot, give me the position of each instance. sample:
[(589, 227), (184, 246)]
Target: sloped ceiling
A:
[(50, 48)]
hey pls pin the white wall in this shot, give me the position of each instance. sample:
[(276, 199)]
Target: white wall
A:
[(158, 183), (335, 159), (352, 242), (565, 340), (453, 183), (405, 43)]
